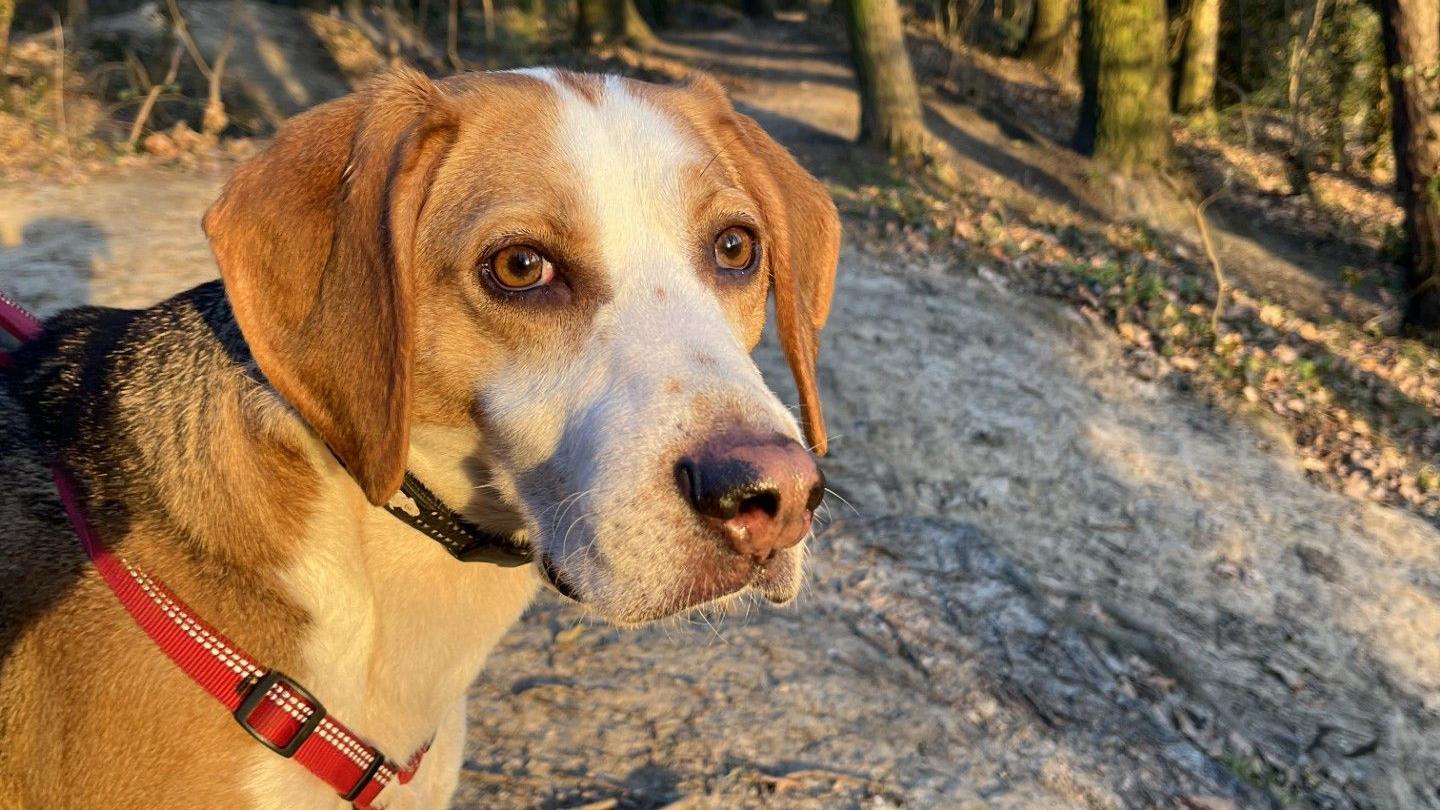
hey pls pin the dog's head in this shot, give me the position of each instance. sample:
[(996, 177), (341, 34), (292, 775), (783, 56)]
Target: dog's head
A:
[(573, 269)]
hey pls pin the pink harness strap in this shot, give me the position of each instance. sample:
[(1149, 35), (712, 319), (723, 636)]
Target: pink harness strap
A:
[(20, 325)]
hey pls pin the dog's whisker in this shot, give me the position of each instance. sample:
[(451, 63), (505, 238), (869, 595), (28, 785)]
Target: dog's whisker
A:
[(555, 507), (565, 504), (555, 524), (565, 541), (713, 628), (842, 499)]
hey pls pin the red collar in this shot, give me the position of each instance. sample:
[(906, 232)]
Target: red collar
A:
[(278, 712)]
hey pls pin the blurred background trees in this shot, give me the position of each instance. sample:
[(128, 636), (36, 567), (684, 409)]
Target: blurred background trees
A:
[(1200, 43), (1125, 107), (1329, 86), (1412, 52), (890, 114), (1053, 41)]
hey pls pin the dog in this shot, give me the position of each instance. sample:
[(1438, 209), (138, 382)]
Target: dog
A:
[(536, 292)]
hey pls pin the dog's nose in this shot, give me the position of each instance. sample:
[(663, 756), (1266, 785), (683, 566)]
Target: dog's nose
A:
[(761, 490)]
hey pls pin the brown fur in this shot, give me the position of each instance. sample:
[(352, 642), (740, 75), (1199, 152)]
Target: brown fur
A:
[(208, 489), (321, 228), (365, 316)]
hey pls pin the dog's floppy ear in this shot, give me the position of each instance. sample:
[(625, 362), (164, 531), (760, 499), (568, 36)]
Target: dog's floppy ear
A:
[(315, 240), (803, 254)]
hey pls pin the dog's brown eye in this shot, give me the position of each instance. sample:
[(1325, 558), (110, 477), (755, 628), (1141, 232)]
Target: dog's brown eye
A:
[(735, 249), (520, 268)]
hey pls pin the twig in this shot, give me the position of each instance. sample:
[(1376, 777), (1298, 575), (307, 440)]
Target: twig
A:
[(1244, 110), (1298, 155), (136, 72), (1180, 30), (816, 774), (1221, 288), (60, 124), (214, 120), (177, 20), (1203, 225), (452, 37), (143, 115), (112, 109)]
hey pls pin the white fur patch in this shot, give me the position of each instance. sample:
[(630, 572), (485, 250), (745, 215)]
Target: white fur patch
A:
[(585, 444), (591, 438), (399, 630)]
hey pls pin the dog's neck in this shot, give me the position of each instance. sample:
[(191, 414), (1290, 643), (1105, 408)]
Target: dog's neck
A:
[(393, 611), (198, 469)]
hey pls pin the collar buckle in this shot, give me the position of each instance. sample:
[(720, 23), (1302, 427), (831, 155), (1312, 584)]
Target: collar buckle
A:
[(297, 700)]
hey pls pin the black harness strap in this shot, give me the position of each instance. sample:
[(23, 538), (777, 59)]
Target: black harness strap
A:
[(421, 509)]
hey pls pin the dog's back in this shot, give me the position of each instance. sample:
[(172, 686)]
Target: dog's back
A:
[(52, 394), (74, 669), (40, 561), (38, 553)]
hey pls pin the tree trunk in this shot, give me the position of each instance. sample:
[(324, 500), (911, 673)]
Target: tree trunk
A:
[(487, 12), (7, 13), (1053, 42), (77, 14), (758, 9), (1125, 111), (628, 26), (611, 21), (1196, 93), (1299, 157), (589, 21), (1412, 50), (889, 100)]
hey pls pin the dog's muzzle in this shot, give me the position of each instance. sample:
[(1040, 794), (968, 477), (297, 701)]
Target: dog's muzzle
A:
[(552, 575)]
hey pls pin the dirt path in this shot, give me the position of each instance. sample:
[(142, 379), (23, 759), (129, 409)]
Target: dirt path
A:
[(1059, 586)]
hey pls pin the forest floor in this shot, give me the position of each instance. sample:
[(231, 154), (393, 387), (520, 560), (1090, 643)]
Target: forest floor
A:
[(1080, 562)]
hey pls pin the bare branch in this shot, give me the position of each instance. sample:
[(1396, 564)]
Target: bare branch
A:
[(143, 115), (1244, 109), (61, 125), (1221, 288), (214, 120), (177, 20), (452, 37)]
